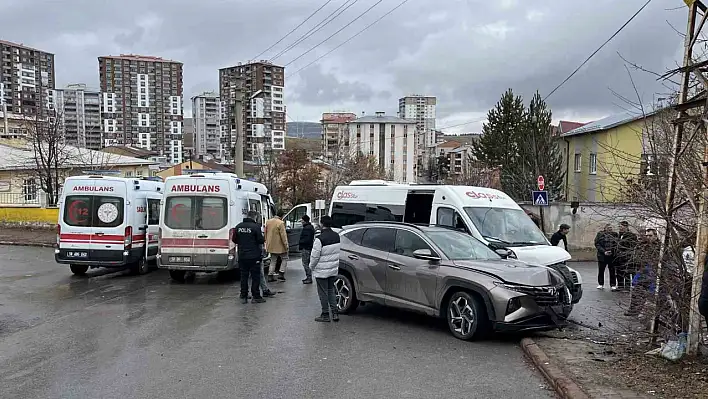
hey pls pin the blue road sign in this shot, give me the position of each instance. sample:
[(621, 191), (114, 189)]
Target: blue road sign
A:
[(540, 198)]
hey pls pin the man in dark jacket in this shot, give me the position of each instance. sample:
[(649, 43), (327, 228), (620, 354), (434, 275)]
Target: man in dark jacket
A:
[(605, 242), (624, 259), (559, 235), (249, 241), (307, 239)]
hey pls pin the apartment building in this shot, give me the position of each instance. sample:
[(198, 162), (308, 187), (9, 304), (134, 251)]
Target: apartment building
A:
[(335, 133), (391, 140), (79, 110), (26, 79), (206, 113), (421, 109), (142, 104), (252, 95)]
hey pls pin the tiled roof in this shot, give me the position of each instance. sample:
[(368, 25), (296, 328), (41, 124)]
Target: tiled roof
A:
[(566, 126), (21, 157), (449, 144), (606, 123)]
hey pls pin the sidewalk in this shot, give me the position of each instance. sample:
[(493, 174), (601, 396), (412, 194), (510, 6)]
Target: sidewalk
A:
[(27, 236), (603, 350)]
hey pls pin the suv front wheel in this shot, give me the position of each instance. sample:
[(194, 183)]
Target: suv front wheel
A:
[(465, 316)]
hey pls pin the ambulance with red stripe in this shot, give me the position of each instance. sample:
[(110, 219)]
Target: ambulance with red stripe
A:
[(199, 213), (107, 221)]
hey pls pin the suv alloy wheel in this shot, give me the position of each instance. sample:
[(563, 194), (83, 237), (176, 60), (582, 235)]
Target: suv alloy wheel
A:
[(465, 316), (346, 297)]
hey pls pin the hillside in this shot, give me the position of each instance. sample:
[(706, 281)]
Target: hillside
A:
[(308, 130)]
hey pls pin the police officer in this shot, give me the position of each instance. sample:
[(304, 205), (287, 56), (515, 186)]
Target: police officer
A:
[(249, 239)]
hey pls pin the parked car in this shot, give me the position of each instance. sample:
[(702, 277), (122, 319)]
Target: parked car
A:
[(446, 273)]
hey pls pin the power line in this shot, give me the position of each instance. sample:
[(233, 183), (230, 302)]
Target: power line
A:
[(294, 29), (350, 38), (598, 50), (326, 21), (335, 33), (464, 123)]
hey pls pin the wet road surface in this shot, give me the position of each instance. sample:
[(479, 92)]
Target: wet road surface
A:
[(112, 335)]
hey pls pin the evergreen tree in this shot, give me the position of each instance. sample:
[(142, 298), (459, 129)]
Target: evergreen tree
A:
[(498, 144), (519, 141), (539, 154)]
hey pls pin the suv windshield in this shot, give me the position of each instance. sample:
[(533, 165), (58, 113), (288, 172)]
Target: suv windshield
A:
[(508, 226), (460, 246)]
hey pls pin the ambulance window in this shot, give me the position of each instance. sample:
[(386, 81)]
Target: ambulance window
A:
[(255, 205), (212, 213), (179, 213), (108, 211), (93, 211), (77, 211), (154, 209)]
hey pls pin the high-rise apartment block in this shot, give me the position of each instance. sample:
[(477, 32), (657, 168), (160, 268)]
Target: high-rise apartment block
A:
[(335, 134), (79, 110), (390, 140), (26, 78), (206, 113), (142, 103), (422, 110), (252, 95)]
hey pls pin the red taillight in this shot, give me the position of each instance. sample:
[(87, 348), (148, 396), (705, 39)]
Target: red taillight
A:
[(58, 234), (232, 246), (128, 240)]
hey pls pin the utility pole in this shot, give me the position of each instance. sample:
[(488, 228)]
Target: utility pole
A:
[(688, 70)]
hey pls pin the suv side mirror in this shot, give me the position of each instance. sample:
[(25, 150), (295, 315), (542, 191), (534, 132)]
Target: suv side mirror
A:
[(503, 252), (425, 254)]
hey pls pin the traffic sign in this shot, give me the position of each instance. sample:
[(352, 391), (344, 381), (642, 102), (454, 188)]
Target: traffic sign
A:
[(540, 198), (541, 183)]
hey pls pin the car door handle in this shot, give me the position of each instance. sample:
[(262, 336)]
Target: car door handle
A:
[(394, 267), (203, 236), (353, 257)]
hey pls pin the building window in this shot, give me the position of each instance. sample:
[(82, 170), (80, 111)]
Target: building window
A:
[(29, 189), (578, 162), (593, 164)]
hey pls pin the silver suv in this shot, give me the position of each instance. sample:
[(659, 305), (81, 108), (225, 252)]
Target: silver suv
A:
[(449, 274)]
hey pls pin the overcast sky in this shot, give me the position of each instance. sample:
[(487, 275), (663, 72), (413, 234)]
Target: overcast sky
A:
[(465, 52)]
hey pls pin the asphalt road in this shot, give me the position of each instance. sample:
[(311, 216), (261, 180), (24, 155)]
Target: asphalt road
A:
[(113, 335)]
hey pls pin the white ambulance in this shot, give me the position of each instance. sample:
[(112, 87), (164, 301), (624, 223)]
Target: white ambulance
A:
[(107, 221), (489, 215), (199, 213)]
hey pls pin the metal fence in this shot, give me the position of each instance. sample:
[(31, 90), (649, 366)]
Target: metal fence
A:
[(20, 199)]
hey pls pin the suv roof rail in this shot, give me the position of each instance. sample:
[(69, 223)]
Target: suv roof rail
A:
[(416, 225)]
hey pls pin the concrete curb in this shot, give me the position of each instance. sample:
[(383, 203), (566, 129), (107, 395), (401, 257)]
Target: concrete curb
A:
[(565, 387), (27, 244)]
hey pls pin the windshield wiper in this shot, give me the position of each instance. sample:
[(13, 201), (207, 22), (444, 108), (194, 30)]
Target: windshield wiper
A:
[(496, 239), (526, 243)]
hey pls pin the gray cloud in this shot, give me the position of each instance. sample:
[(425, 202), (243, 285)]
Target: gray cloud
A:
[(467, 52)]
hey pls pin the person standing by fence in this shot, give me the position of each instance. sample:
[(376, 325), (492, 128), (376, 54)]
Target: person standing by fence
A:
[(605, 243)]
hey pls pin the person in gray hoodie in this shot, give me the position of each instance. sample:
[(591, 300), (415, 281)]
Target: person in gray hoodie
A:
[(324, 263)]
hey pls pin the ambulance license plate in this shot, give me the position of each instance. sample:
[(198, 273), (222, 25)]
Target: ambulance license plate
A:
[(74, 254), (180, 259)]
